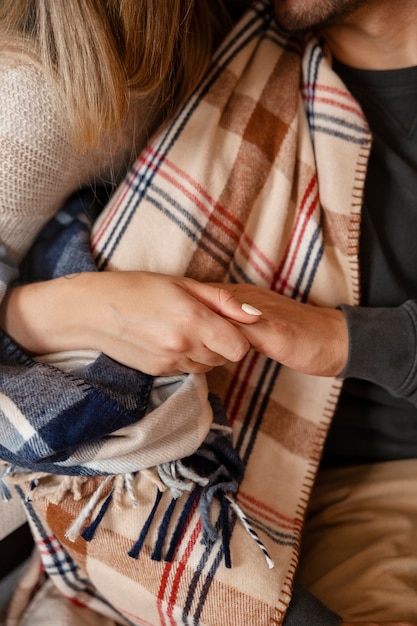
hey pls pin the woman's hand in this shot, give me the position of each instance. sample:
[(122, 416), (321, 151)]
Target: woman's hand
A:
[(307, 338), (160, 324)]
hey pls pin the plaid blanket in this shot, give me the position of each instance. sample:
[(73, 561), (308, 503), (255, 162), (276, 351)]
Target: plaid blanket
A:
[(228, 192)]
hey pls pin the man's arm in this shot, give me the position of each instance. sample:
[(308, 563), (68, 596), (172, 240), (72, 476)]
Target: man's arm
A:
[(383, 347)]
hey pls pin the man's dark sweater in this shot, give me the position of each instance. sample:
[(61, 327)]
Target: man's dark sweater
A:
[(376, 419)]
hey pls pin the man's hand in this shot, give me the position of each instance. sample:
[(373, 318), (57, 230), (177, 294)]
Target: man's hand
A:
[(307, 338)]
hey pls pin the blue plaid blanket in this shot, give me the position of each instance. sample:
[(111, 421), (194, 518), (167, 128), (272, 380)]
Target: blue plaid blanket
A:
[(109, 420)]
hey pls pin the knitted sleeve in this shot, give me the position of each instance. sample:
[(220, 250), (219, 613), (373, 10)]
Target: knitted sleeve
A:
[(40, 167)]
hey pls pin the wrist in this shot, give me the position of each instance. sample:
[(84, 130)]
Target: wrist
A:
[(342, 342), (50, 316)]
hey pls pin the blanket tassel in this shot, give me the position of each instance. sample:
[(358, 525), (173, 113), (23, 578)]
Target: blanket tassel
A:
[(136, 549), (76, 527), (251, 531), (163, 531), (89, 532), (225, 523), (200, 496), (176, 536)]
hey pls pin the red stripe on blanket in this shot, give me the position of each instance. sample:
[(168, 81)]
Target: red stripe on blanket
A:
[(239, 385), (100, 232), (180, 568), (169, 566), (310, 200), (237, 224), (263, 511), (200, 205), (309, 89), (49, 546), (253, 250)]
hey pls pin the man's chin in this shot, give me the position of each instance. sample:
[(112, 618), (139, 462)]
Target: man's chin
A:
[(299, 16), (291, 17)]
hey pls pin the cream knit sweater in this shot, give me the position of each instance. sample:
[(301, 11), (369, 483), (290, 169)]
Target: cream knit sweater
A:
[(39, 169), (39, 166)]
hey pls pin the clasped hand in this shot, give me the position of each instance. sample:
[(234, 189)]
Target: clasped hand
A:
[(307, 338), (166, 325)]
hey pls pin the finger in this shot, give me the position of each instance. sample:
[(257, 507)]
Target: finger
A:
[(208, 358), (221, 337), (188, 365), (223, 302), (191, 367)]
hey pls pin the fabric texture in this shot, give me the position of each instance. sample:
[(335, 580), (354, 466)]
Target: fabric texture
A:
[(38, 600), (305, 608), (229, 192), (33, 132), (360, 541)]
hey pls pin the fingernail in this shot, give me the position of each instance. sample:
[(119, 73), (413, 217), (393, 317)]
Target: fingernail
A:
[(248, 308)]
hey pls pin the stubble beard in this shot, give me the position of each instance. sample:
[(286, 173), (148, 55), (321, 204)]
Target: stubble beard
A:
[(298, 16)]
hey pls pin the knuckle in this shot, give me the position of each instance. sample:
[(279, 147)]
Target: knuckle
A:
[(176, 343)]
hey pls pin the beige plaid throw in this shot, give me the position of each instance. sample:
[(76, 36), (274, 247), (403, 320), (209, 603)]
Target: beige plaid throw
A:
[(229, 192)]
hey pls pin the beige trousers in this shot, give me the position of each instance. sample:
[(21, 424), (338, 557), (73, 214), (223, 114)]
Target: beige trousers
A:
[(359, 552)]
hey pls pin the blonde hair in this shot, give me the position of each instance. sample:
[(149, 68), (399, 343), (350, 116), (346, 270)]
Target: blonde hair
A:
[(100, 52)]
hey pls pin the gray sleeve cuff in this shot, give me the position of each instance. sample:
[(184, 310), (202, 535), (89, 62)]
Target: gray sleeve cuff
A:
[(382, 347)]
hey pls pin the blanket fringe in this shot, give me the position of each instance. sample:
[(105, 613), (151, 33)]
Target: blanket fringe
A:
[(188, 508), (75, 530), (6, 495), (236, 508), (89, 532), (136, 549), (122, 491)]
